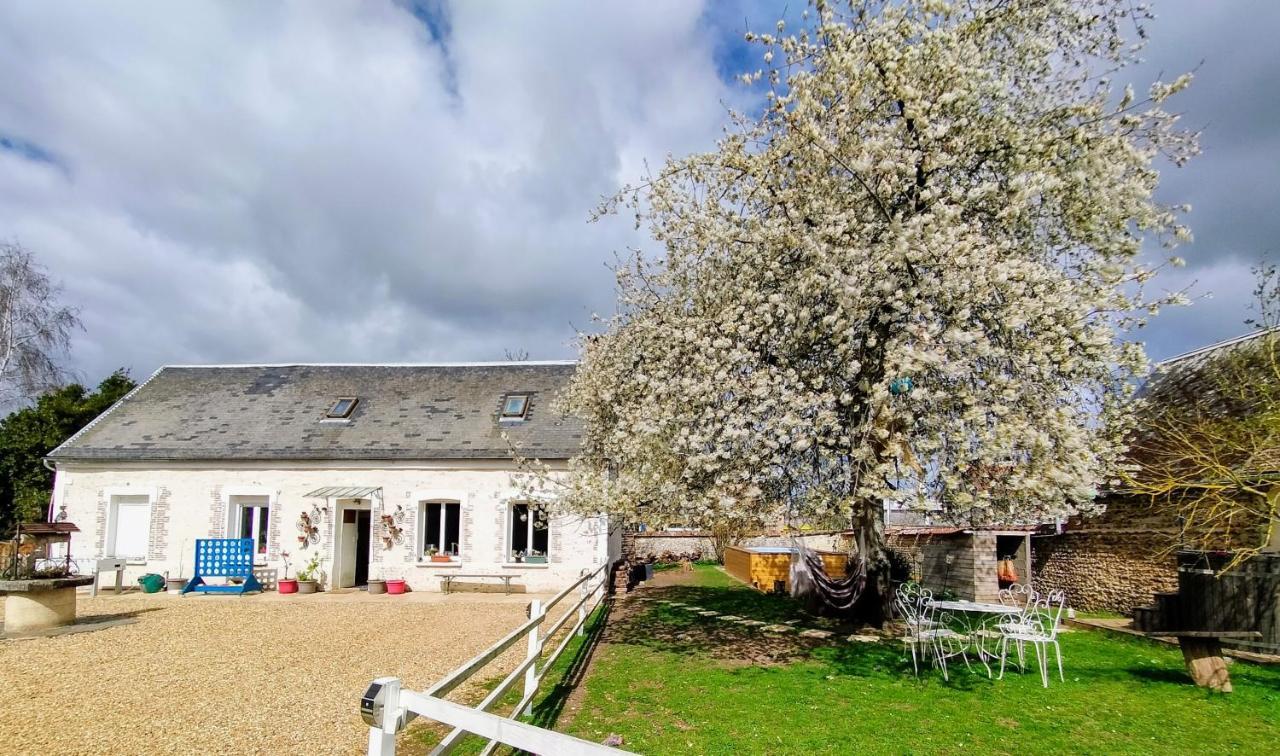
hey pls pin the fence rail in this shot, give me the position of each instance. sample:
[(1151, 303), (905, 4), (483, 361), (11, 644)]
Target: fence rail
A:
[(387, 708)]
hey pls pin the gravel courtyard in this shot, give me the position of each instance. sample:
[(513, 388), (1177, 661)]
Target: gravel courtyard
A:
[(253, 674)]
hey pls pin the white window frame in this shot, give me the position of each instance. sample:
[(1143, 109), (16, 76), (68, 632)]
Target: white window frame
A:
[(109, 537), (509, 557), (438, 496), (422, 527), (230, 494)]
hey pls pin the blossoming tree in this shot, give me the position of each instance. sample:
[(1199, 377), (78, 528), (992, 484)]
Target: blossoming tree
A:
[(902, 282)]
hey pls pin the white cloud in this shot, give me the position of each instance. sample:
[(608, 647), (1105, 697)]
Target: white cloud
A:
[(325, 181)]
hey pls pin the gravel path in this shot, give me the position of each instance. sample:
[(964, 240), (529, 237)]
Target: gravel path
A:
[(256, 674)]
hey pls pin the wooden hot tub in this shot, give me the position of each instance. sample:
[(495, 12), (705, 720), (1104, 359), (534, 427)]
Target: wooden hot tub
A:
[(768, 568)]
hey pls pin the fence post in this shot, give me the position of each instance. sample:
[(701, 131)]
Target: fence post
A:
[(531, 674), (382, 736), (585, 592)]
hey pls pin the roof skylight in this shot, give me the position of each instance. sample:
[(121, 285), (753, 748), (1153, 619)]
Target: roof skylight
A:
[(514, 406), (342, 408)]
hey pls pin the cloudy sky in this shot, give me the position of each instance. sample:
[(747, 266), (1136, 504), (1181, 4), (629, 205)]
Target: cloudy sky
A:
[(389, 181)]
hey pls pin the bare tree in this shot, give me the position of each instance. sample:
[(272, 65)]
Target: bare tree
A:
[(1207, 449), (35, 327), (517, 355)]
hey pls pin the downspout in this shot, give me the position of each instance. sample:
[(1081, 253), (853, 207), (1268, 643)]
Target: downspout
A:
[(49, 515)]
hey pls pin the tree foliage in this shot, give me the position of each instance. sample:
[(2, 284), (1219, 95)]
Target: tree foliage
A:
[(29, 434), (905, 280), (1206, 450)]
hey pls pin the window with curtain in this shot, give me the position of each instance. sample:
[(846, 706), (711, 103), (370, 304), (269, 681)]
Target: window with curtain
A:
[(252, 520)]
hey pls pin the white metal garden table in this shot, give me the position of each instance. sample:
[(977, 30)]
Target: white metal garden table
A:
[(976, 622)]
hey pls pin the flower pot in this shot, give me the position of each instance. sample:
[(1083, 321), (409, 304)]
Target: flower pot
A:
[(377, 587), (308, 586), (175, 585), (287, 586), (151, 583), (441, 558), (396, 587), (535, 560)]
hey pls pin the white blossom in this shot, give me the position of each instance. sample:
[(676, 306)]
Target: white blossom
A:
[(939, 195)]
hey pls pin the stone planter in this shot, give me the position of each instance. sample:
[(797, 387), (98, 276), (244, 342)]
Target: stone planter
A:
[(308, 586), (175, 585), (377, 586), (34, 605)]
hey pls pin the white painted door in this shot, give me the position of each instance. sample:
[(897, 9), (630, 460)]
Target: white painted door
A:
[(347, 549)]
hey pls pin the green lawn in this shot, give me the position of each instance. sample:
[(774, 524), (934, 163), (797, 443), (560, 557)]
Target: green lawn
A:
[(670, 681)]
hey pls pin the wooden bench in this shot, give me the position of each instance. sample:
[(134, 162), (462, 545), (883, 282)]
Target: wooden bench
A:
[(1202, 651), (446, 581)]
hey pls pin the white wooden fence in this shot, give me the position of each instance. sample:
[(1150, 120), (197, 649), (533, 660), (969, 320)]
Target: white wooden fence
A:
[(387, 708)]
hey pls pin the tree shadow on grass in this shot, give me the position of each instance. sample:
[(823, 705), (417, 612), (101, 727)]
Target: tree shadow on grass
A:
[(546, 711), (647, 621)]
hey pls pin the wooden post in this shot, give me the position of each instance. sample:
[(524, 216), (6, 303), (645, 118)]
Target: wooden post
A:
[(531, 674), (1205, 663)]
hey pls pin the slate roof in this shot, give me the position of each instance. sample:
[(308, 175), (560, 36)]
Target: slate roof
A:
[(276, 412), (1188, 381)]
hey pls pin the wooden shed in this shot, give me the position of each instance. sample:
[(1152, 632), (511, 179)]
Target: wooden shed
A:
[(768, 568), (964, 562)]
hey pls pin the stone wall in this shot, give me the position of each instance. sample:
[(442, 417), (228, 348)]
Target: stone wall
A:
[(1113, 562), (675, 545), (1104, 570)]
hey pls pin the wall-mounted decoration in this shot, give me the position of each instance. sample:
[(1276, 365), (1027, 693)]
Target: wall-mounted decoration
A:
[(309, 526), (392, 527)]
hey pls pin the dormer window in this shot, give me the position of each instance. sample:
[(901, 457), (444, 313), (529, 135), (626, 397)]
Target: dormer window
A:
[(342, 408), (514, 406)]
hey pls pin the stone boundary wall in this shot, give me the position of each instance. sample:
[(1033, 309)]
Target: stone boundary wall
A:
[(1115, 570), (674, 545)]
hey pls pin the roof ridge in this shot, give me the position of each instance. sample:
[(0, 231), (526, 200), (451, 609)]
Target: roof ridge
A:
[(1219, 345)]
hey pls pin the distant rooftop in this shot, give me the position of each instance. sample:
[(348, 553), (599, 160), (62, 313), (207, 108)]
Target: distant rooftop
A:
[(283, 412)]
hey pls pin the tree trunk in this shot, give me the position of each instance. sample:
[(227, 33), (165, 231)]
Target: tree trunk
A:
[(868, 527)]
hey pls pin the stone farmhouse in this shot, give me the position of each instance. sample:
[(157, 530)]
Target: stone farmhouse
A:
[(383, 471)]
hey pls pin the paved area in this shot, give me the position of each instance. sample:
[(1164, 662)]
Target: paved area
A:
[(265, 674)]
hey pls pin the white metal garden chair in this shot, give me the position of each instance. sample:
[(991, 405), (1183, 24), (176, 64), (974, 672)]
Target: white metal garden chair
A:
[(925, 635), (1039, 628), (1031, 601)]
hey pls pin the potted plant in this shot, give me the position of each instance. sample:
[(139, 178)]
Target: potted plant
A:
[(535, 557), (309, 576), (377, 586), (436, 556), (174, 584), (517, 556), (285, 584)]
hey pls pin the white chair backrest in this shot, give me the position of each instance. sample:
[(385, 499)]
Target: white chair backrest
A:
[(914, 604), (1045, 615), (1015, 595)]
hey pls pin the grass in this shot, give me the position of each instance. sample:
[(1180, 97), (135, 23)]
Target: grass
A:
[(560, 680), (671, 681)]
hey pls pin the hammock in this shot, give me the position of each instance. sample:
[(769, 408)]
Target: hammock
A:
[(809, 579)]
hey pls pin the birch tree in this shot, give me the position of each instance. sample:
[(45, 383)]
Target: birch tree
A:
[(905, 280), (35, 327)]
